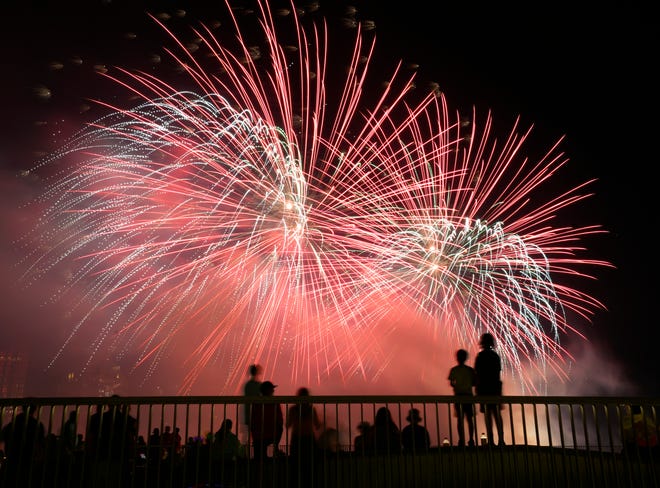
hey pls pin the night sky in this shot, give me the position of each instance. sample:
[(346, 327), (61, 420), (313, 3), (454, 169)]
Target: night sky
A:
[(584, 74)]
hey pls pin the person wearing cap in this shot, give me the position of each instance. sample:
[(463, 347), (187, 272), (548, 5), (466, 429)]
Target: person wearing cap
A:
[(415, 437), (266, 423), (488, 366)]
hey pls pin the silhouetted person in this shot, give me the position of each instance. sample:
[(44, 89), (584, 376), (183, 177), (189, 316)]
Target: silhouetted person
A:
[(266, 423), (155, 449), (463, 379), (363, 442), (93, 434), (304, 422), (385, 433), (251, 389), (141, 452), (226, 442), (25, 444), (414, 437), (114, 442), (177, 442), (69, 444), (226, 452), (488, 366), (167, 441), (69, 433), (640, 432)]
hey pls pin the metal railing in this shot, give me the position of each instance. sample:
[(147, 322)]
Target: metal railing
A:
[(174, 442)]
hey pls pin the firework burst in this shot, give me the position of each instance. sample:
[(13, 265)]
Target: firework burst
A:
[(261, 216)]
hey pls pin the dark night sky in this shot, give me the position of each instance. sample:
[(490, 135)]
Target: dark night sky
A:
[(587, 74)]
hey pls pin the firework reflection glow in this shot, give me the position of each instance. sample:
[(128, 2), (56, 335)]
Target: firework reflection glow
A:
[(261, 219)]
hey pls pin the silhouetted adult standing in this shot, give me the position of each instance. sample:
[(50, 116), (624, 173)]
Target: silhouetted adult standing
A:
[(266, 423), (226, 453), (303, 420), (463, 379), (69, 445), (251, 389), (488, 366), (25, 442), (386, 434), (113, 441)]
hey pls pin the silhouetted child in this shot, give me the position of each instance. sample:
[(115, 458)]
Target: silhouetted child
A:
[(304, 422), (363, 442), (414, 437), (463, 378)]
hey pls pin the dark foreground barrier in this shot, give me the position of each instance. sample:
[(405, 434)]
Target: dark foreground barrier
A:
[(178, 442)]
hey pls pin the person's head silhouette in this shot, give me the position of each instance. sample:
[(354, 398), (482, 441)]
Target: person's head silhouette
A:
[(267, 388), (487, 341)]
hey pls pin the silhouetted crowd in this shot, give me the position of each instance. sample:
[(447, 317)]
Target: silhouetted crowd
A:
[(112, 453)]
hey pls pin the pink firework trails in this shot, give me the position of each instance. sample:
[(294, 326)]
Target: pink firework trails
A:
[(251, 219)]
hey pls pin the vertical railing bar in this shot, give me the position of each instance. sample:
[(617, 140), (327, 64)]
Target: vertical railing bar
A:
[(626, 457), (646, 452), (590, 461), (574, 439), (349, 472), (613, 460), (599, 443), (562, 440), (121, 416), (172, 456), (537, 434), (187, 446), (210, 444), (57, 445), (477, 442), (525, 448), (150, 426), (339, 449), (85, 464), (638, 455), (448, 407), (551, 460), (436, 460), (512, 450), (653, 449), (137, 445)]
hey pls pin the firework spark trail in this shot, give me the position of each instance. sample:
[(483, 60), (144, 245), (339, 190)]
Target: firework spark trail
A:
[(258, 221)]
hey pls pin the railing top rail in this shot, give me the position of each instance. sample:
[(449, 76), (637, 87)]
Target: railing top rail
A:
[(336, 399)]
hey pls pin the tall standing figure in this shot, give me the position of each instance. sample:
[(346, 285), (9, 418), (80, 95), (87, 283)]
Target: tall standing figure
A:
[(266, 423), (250, 389), (488, 367)]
